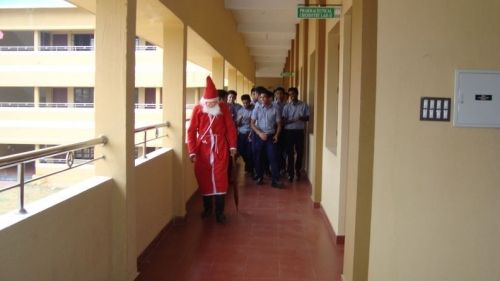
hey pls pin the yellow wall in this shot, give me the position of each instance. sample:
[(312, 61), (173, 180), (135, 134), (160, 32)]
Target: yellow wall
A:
[(58, 229), (332, 188), (59, 125), (60, 243), (154, 196), (49, 19), (435, 187), (76, 69), (191, 185)]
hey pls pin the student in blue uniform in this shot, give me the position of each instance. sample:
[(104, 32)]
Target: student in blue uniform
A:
[(266, 124), (295, 116), (243, 118)]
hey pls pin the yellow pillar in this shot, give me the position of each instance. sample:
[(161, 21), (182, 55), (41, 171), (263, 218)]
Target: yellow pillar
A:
[(248, 86), (292, 65), (36, 40), (218, 72), (71, 96), (197, 95), (158, 97), (317, 120), (244, 86), (361, 139), (69, 40), (36, 97), (231, 77), (142, 96), (297, 51), (114, 117), (174, 103), (239, 83)]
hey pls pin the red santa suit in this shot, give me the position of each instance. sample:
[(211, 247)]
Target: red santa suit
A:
[(209, 138)]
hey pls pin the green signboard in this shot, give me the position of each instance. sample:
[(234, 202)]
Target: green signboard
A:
[(318, 12)]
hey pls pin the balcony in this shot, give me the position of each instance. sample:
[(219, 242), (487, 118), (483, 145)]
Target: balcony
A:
[(73, 66), (52, 122)]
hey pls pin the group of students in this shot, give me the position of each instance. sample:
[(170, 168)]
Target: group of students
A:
[(270, 132), (268, 135)]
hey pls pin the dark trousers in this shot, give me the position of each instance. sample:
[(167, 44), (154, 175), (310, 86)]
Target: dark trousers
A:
[(282, 152), (245, 150), (219, 203), (294, 146), (270, 149)]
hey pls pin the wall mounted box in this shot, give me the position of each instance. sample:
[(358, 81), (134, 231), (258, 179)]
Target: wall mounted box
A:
[(477, 98)]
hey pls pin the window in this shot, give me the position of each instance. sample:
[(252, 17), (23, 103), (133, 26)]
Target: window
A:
[(83, 42), (86, 153), (150, 97), (84, 97)]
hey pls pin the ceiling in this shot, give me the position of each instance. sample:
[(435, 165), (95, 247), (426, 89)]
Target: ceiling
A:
[(268, 27)]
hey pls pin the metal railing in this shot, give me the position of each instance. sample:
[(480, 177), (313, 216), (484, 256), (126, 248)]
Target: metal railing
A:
[(145, 130), (48, 104), (73, 105), (21, 159), (64, 48), (148, 106)]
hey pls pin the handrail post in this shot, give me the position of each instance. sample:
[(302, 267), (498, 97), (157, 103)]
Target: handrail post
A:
[(20, 176), (144, 145)]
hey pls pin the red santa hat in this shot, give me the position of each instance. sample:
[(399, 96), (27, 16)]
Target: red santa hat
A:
[(210, 92)]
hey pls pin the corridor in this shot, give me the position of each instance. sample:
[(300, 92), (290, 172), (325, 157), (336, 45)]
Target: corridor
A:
[(276, 235)]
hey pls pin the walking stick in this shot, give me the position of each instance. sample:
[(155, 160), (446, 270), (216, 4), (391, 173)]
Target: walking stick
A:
[(234, 183)]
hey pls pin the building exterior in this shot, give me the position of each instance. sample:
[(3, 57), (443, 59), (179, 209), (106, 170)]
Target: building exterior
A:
[(47, 80)]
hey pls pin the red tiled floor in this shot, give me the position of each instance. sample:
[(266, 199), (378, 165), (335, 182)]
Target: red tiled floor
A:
[(277, 235)]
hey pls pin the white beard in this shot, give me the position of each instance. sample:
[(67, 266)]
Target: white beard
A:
[(214, 111)]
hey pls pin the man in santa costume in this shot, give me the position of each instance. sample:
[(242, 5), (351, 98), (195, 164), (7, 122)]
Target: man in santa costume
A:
[(211, 141)]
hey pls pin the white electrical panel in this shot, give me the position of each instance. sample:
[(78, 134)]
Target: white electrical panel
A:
[(477, 98)]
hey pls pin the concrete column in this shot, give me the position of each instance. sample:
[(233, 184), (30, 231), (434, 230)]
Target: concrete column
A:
[(239, 83), (36, 40), (174, 103), (361, 139), (142, 96), (245, 87), (292, 65), (218, 72), (305, 60), (197, 95), (114, 117), (71, 95), (317, 119), (69, 40), (231, 73), (297, 50), (158, 97), (36, 97)]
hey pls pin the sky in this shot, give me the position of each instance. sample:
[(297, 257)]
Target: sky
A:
[(13, 4)]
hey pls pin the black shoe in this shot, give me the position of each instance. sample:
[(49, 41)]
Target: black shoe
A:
[(220, 218), (277, 184), (259, 181), (290, 178)]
